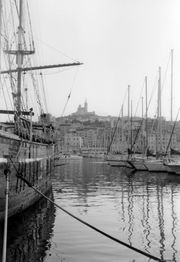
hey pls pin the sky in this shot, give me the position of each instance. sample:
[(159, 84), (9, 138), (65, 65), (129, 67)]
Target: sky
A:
[(119, 42)]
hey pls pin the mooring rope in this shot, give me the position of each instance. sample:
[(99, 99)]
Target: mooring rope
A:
[(87, 224)]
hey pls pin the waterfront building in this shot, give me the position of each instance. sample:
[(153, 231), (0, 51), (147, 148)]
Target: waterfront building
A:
[(72, 142), (162, 142), (101, 131)]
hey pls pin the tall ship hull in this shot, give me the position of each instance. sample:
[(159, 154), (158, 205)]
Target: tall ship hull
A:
[(27, 136), (34, 161)]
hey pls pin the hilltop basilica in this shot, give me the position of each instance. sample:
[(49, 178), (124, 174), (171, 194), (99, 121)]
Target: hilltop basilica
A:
[(82, 112)]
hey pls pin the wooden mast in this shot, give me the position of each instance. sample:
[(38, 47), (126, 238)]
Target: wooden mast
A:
[(19, 56), (20, 53)]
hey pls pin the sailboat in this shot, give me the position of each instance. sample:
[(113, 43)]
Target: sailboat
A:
[(27, 147), (157, 164), (121, 158), (173, 163), (138, 161)]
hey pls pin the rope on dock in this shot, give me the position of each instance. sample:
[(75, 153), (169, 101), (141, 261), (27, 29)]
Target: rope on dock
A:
[(85, 223)]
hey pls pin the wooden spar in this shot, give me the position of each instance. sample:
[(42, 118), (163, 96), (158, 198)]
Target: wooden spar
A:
[(25, 69), (12, 112)]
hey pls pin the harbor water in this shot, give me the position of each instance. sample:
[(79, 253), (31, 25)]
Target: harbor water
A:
[(141, 209)]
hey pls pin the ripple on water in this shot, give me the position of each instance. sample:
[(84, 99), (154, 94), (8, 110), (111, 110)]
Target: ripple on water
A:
[(141, 209)]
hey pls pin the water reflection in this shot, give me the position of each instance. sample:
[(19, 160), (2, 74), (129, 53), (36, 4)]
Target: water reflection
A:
[(174, 220), (29, 234), (141, 208)]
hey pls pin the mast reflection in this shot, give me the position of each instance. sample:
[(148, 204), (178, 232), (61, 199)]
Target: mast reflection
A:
[(29, 234), (143, 207)]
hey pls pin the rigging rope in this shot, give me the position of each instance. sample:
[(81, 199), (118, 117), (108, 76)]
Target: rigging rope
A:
[(165, 74), (153, 90), (30, 24), (66, 104), (44, 93), (170, 138), (113, 135), (52, 47), (139, 98), (69, 96), (5, 101)]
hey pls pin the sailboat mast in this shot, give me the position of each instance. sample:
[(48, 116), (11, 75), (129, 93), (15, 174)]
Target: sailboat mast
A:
[(131, 127), (122, 125), (159, 133), (146, 115), (143, 125), (129, 142), (128, 102), (171, 85), (142, 106)]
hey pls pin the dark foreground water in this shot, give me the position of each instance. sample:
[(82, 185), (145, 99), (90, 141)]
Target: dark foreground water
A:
[(141, 209)]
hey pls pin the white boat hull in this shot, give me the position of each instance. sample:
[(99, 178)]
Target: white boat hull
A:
[(155, 166), (119, 163), (139, 165), (173, 167)]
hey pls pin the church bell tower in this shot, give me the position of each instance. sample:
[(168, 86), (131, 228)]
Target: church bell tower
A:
[(86, 106)]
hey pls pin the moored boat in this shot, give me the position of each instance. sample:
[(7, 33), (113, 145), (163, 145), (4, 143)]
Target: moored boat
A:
[(155, 165), (27, 147), (173, 166), (138, 163), (118, 160)]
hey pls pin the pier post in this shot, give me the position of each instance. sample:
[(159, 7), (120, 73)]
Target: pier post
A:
[(6, 173)]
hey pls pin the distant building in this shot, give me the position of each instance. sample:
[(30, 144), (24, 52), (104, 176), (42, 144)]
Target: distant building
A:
[(82, 113), (72, 142), (87, 130), (82, 110)]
